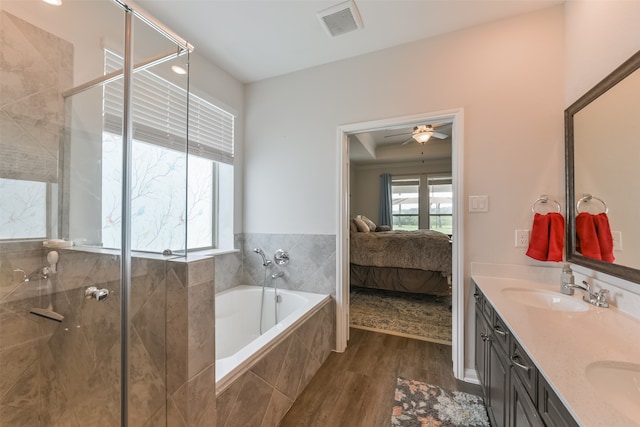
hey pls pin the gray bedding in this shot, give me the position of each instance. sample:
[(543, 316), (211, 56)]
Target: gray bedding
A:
[(421, 249)]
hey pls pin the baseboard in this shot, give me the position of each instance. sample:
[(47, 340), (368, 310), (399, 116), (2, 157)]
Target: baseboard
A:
[(471, 376)]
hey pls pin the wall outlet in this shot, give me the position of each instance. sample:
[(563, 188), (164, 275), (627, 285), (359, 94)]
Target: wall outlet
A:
[(522, 238)]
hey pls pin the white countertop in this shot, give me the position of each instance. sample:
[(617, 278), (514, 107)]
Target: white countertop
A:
[(562, 344)]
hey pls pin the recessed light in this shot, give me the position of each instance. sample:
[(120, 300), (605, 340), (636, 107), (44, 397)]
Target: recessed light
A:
[(53, 2), (178, 69)]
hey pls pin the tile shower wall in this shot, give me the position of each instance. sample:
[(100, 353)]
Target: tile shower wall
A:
[(264, 394), (312, 265), (68, 373)]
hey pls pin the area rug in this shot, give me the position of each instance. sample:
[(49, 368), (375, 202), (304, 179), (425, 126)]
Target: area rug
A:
[(420, 405), (422, 317)]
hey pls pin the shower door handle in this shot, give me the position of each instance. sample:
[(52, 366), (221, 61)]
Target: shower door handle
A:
[(95, 293)]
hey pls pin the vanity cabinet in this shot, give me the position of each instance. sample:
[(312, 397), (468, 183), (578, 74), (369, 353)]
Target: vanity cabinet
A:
[(515, 393)]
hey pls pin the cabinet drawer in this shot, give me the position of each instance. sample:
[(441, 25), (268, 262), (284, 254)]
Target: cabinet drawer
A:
[(524, 368), (523, 412), (501, 332), (551, 409)]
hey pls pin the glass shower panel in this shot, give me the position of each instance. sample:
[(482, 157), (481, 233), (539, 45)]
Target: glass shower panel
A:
[(60, 353)]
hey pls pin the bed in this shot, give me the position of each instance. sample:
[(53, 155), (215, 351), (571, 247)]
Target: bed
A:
[(408, 261)]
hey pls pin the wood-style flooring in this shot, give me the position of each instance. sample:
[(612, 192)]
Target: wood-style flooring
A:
[(356, 388)]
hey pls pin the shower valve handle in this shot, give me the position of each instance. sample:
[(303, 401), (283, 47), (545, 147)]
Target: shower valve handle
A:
[(94, 293)]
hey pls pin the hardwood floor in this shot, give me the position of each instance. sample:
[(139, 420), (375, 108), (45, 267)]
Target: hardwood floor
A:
[(356, 388)]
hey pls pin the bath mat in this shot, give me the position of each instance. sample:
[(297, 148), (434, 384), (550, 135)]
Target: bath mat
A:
[(420, 405), (422, 317)]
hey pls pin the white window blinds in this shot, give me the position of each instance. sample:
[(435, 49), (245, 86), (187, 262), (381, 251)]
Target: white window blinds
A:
[(160, 115)]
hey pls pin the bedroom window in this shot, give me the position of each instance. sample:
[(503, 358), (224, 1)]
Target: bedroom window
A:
[(423, 201), (405, 203), (440, 194)]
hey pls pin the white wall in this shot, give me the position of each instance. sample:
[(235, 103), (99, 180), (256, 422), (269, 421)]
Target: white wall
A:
[(509, 78)]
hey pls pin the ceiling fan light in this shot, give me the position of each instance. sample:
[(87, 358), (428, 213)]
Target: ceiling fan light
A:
[(422, 137)]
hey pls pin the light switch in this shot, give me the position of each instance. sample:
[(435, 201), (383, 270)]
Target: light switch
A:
[(478, 203)]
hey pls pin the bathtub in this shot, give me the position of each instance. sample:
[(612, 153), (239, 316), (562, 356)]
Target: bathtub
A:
[(239, 343)]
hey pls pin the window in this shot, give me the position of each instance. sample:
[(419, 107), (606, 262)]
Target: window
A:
[(422, 201), (160, 213), (23, 211), (440, 193), (405, 203)]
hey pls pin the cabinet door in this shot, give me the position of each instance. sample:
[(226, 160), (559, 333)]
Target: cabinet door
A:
[(551, 409), (482, 336), (522, 412), (498, 387)]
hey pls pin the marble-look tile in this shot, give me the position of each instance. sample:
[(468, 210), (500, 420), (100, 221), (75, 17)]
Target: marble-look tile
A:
[(311, 367), (202, 340), (17, 328), (12, 416), (318, 333), (179, 271), (75, 268), (226, 399), (270, 365), (202, 398), (279, 404), (150, 324), (177, 333), (180, 400), (146, 384), (202, 271), (14, 361), (54, 404), (292, 369), (228, 271), (174, 419), (67, 419), (26, 390), (251, 403)]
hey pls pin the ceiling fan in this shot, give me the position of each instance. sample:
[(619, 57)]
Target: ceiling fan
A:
[(422, 134)]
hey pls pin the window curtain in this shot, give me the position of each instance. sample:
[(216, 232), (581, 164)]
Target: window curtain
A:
[(385, 217)]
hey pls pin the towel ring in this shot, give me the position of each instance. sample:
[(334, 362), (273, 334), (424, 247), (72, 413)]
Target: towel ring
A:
[(544, 199), (586, 198)]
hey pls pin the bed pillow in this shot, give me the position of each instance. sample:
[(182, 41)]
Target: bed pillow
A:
[(383, 228), (361, 225), (353, 227), (370, 224)]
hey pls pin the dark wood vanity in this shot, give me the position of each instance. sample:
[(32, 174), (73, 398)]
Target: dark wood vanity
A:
[(515, 392)]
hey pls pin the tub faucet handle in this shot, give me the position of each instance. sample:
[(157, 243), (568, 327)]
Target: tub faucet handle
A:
[(281, 257)]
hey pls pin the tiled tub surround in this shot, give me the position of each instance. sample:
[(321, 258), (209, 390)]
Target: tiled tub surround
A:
[(69, 373), (264, 393), (311, 268), (563, 344)]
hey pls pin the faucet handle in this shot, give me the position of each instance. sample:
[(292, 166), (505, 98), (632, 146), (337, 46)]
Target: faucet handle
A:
[(601, 298)]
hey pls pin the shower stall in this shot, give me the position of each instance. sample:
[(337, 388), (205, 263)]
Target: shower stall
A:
[(99, 302)]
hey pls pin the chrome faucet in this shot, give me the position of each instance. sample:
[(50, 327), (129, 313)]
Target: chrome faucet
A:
[(598, 298), (265, 261)]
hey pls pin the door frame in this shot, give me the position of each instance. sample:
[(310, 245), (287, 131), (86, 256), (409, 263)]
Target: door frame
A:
[(456, 117)]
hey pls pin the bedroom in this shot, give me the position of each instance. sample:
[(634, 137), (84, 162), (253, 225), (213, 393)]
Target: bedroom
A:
[(409, 269)]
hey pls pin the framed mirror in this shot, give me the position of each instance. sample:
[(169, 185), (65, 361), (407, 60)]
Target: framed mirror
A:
[(602, 152)]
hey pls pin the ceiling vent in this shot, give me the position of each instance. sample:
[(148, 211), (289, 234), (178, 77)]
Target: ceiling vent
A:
[(341, 18)]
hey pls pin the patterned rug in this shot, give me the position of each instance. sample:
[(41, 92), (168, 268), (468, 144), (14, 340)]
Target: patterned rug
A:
[(421, 317), (420, 405)]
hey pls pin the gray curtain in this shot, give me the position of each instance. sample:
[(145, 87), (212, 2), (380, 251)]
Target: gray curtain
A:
[(385, 200)]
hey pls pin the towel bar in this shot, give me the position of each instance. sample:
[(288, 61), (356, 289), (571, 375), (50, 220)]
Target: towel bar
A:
[(586, 198), (544, 199)]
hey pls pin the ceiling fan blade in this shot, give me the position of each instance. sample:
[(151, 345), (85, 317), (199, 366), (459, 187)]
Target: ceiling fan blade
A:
[(407, 141), (398, 134), (440, 135)]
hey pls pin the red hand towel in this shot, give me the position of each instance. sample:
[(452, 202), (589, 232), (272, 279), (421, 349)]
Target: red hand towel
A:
[(586, 236), (605, 238), (556, 236), (539, 240)]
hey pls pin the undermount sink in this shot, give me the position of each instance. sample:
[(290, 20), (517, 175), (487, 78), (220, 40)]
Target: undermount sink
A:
[(545, 299), (618, 384)]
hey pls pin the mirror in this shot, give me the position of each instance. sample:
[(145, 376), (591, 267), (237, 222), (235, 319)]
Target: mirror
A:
[(602, 141)]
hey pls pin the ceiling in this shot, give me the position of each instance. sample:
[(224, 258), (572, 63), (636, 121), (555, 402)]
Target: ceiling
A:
[(395, 144), (258, 39)]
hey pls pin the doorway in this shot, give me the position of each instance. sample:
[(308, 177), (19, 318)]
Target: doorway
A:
[(455, 118)]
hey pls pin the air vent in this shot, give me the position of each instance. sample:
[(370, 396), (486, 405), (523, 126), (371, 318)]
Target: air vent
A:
[(341, 18)]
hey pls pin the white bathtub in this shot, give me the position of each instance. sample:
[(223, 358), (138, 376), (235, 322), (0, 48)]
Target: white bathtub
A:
[(238, 339)]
